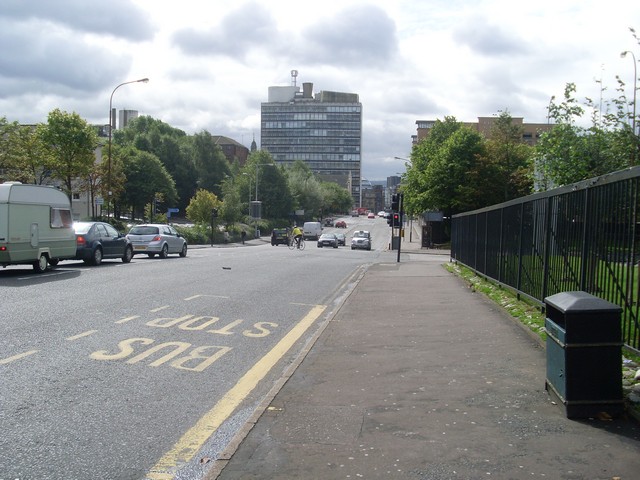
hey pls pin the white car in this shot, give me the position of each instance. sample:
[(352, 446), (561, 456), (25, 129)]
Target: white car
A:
[(361, 239), (157, 239)]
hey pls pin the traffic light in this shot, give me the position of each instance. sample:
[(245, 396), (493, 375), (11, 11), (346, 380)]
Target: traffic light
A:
[(395, 202), (397, 220)]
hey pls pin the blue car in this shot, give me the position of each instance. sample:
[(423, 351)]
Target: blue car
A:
[(96, 241)]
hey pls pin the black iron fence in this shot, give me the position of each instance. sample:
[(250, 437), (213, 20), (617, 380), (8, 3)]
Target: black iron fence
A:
[(583, 236)]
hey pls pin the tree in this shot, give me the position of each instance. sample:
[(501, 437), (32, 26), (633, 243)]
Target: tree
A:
[(211, 164), (273, 190), (201, 205), (71, 145), (146, 177), (305, 190)]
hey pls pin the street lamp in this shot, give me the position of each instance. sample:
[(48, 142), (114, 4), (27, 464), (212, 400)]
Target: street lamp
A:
[(256, 200), (635, 88), (112, 122)]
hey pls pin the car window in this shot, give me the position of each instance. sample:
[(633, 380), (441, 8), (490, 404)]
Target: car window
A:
[(111, 232), (173, 231), (101, 231), (81, 228), (144, 230)]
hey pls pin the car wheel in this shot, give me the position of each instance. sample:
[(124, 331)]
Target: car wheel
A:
[(128, 255), (183, 252), (41, 264), (352, 248), (97, 257), (151, 255), (319, 246), (164, 253)]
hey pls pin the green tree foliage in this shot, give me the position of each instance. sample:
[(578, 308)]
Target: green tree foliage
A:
[(71, 145), (336, 199), (201, 205), (211, 164), (570, 153), (146, 177), (305, 190), (505, 170), (273, 190), (171, 146)]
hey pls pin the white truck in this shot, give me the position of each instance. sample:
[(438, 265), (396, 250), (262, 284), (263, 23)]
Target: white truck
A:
[(36, 226)]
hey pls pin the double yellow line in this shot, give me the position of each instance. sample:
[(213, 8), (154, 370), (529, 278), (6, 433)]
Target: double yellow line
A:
[(193, 440)]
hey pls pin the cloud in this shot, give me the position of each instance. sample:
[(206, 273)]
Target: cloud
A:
[(487, 39), (248, 27), (119, 18), (357, 36), (56, 59)]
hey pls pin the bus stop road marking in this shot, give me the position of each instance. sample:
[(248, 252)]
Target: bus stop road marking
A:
[(191, 442)]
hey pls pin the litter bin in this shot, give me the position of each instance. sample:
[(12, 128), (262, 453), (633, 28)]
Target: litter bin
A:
[(584, 354)]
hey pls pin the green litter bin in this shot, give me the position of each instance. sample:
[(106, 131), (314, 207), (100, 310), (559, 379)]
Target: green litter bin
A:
[(584, 354)]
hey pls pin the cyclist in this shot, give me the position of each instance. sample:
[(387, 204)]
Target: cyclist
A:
[(296, 234)]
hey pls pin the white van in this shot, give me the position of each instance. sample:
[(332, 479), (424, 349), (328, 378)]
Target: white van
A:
[(36, 226), (311, 230)]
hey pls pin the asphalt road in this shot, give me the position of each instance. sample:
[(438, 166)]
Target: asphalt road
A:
[(145, 370)]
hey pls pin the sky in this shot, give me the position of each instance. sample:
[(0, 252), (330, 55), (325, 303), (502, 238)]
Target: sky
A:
[(210, 62)]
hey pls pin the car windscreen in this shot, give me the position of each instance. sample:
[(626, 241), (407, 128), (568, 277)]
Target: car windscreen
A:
[(144, 230), (81, 228)]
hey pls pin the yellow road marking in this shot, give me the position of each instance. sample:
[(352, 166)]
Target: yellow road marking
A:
[(84, 334), (17, 357), (126, 319), (154, 310), (186, 448)]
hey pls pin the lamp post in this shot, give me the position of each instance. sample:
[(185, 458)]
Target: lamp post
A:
[(635, 88), (256, 200), (111, 125)]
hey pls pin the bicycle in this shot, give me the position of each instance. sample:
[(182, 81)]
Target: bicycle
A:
[(292, 243)]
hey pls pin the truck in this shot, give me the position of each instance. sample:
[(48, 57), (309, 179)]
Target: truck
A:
[(36, 226)]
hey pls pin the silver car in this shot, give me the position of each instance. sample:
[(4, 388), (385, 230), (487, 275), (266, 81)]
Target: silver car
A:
[(157, 239), (361, 239)]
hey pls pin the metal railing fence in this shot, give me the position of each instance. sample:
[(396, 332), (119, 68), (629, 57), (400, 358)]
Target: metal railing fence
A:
[(583, 236)]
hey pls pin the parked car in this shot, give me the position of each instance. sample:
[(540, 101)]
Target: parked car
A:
[(342, 238), (279, 236), (96, 241), (361, 239), (157, 239), (341, 224), (328, 240)]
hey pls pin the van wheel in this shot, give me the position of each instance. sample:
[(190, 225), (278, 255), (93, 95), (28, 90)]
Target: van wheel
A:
[(41, 264), (97, 257)]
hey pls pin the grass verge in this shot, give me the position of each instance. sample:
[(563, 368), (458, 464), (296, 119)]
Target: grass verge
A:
[(533, 318)]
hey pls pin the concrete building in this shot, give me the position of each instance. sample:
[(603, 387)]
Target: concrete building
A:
[(125, 116), (530, 131), (323, 130)]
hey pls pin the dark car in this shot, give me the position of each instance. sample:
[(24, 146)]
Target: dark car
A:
[(328, 240), (279, 236), (96, 241), (342, 238)]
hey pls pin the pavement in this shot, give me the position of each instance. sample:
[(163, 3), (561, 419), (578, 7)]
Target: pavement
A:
[(416, 376)]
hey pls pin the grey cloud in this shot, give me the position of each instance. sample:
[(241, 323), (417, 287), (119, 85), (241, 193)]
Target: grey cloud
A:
[(490, 40), (249, 26), (56, 60), (120, 18), (357, 36)]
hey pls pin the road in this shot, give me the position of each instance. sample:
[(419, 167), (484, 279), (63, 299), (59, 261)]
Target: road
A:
[(145, 370)]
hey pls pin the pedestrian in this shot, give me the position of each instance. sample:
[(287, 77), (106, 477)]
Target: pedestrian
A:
[(243, 235)]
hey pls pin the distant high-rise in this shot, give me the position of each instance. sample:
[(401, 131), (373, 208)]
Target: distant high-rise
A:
[(324, 131), (125, 116)]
